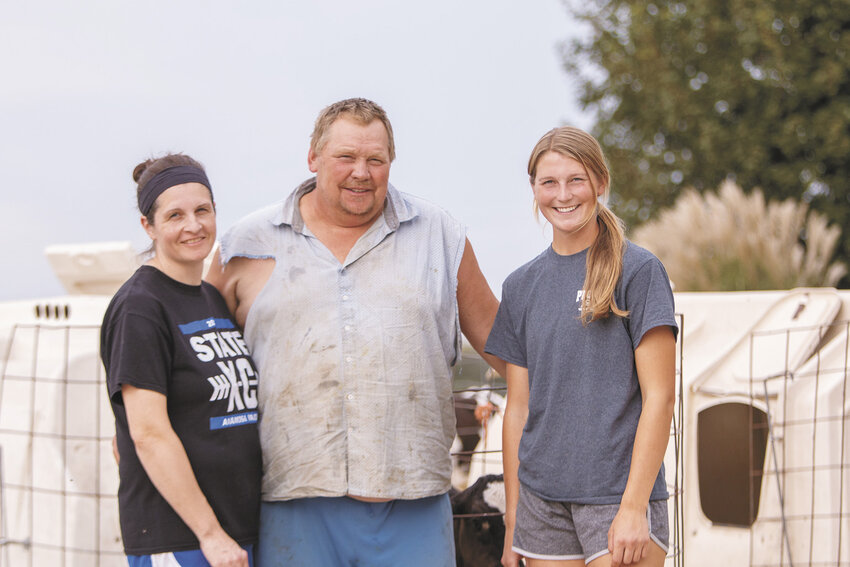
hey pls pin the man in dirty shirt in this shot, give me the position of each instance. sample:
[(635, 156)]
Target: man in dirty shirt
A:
[(353, 296)]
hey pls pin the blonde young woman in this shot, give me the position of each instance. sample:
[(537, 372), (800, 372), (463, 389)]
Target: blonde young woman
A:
[(588, 331), (183, 389)]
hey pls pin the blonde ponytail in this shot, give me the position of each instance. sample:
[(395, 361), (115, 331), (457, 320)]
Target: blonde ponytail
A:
[(604, 268)]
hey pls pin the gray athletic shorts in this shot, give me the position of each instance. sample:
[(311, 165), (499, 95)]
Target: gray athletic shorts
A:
[(560, 530)]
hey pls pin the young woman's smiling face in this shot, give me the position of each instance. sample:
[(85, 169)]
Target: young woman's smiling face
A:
[(566, 196)]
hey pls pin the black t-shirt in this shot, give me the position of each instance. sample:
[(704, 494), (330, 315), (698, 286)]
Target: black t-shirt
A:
[(180, 340)]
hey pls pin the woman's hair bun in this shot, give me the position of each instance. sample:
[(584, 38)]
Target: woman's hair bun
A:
[(140, 169)]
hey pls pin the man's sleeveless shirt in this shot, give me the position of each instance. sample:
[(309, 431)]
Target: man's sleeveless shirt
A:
[(356, 358)]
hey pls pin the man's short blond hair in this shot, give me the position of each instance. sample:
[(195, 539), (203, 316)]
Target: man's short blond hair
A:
[(359, 109)]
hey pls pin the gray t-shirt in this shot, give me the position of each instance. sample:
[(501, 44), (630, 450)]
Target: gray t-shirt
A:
[(584, 397)]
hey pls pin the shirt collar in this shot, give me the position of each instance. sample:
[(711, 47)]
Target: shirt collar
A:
[(397, 209)]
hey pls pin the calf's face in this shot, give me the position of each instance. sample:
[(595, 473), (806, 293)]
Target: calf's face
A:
[(479, 540)]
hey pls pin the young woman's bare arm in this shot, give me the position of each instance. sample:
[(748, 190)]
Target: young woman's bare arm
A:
[(655, 360), (516, 413)]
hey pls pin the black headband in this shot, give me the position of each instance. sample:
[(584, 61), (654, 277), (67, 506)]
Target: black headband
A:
[(170, 177)]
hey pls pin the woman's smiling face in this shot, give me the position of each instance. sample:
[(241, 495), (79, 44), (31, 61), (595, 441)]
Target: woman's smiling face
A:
[(566, 196), (184, 225)]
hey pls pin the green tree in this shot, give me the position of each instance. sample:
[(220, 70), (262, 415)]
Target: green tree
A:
[(687, 94)]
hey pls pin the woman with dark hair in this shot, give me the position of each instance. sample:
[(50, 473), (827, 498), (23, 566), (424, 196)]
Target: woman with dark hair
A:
[(183, 388), (588, 332)]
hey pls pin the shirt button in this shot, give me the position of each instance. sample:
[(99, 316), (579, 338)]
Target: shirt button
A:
[(348, 359), (345, 297), (350, 397), (347, 327)]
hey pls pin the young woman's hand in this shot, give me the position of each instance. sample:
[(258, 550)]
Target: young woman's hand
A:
[(510, 558), (222, 551), (628, 536)]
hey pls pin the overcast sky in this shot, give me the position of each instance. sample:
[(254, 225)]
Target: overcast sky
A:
[(90, 88)]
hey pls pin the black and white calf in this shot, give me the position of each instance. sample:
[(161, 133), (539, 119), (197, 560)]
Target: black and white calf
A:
[(479, 524)]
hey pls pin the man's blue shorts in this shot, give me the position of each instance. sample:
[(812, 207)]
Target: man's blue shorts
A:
[(342, 532)]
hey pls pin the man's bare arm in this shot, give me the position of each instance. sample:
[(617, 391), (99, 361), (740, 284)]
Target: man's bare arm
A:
[(477, 306), (224, 282), (240, 281)]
